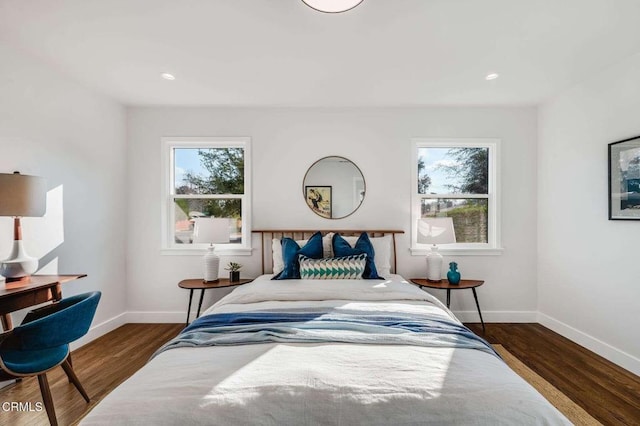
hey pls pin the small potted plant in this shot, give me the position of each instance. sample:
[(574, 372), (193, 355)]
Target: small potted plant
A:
[(234, 271)]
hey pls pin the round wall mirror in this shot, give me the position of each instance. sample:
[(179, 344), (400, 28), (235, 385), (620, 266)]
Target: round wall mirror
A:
[(333, 187)]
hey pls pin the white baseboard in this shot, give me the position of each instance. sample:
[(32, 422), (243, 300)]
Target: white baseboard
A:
[(497, 316), (615, 355), (100, 329), (155, 317)]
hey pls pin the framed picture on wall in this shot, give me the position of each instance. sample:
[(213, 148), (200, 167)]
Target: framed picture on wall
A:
[(624, 179), (319, 199)]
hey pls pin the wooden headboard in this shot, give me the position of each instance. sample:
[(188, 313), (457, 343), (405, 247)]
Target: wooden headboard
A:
[(266, 235)]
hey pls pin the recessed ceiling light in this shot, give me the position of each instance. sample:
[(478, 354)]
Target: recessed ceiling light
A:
[(332, 6), (167, 76), (492, 76)]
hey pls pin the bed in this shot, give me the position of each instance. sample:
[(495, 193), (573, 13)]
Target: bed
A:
[(333, 351)]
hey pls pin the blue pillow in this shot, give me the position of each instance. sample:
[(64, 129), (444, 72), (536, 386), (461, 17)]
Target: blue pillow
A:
[(341, 247), (290, 252)]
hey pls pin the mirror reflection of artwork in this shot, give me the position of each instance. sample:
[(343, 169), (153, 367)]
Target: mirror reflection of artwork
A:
[(319, 200), (345, 183)]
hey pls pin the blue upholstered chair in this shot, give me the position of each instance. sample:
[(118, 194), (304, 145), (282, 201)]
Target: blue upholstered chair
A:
[(41, 343)]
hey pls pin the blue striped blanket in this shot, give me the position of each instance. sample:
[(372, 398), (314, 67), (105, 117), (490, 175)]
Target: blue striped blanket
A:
[(323, 326)]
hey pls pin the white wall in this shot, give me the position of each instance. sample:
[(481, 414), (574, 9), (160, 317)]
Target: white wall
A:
[(52, 127), (285, 143), (589, 269)]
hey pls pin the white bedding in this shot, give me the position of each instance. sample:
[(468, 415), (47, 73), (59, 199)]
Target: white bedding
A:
[(329, 383)]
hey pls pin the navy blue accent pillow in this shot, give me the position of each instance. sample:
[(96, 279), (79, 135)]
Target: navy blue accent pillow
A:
[(341, 247), (290, 252)]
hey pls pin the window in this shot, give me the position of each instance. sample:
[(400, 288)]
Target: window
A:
[(207, 178), (457, 178)]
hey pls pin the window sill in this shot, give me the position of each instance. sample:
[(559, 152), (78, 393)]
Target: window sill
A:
[(240, 251), (484, 251)]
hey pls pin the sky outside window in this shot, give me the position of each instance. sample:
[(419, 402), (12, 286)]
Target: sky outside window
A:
[(433, 159), (186, 160)]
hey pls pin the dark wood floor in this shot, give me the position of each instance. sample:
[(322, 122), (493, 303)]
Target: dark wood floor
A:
[(607, 392)]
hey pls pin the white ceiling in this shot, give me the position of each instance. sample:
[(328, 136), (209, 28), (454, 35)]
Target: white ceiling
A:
[(282, 53)]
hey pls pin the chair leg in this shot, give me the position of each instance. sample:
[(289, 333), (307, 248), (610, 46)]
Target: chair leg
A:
[(70, 363), (74, 379), (46, 398)]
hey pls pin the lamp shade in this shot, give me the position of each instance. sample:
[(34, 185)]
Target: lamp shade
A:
[(22, 195), (436, 230), (332, 6), (211, 230)]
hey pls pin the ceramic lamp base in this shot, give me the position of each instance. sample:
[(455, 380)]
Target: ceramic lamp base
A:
[(211, 266), (434, 265), (19, 265)]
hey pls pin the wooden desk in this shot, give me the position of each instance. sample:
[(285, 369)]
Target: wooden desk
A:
[(39, 289)]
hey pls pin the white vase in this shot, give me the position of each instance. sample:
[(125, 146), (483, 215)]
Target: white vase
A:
[(211, 265)]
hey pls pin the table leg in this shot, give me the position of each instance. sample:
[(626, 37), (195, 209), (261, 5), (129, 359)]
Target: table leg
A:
[(200, 304), (7, 323), (189, 308), (56, 293), (475, 296), (448, 297)]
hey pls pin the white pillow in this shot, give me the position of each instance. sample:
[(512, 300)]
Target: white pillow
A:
[(276, 251), (382, 253)]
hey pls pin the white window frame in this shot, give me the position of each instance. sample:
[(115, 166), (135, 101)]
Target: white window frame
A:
[(493, 245), (169, 247)]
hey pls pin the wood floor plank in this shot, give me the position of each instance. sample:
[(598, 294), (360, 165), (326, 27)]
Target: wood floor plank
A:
[(606, 391)]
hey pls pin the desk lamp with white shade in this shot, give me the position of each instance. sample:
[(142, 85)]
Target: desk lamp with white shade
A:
[(435, 230), (211, 230)]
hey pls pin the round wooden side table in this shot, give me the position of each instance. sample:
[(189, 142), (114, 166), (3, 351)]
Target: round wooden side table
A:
[(445, 285), (198, 284)]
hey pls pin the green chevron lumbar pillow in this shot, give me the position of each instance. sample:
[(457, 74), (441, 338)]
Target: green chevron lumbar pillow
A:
[(333, 268)]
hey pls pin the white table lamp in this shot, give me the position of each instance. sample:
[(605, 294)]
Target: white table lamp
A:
[(20, 196), (435, 230), (213, 231)]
